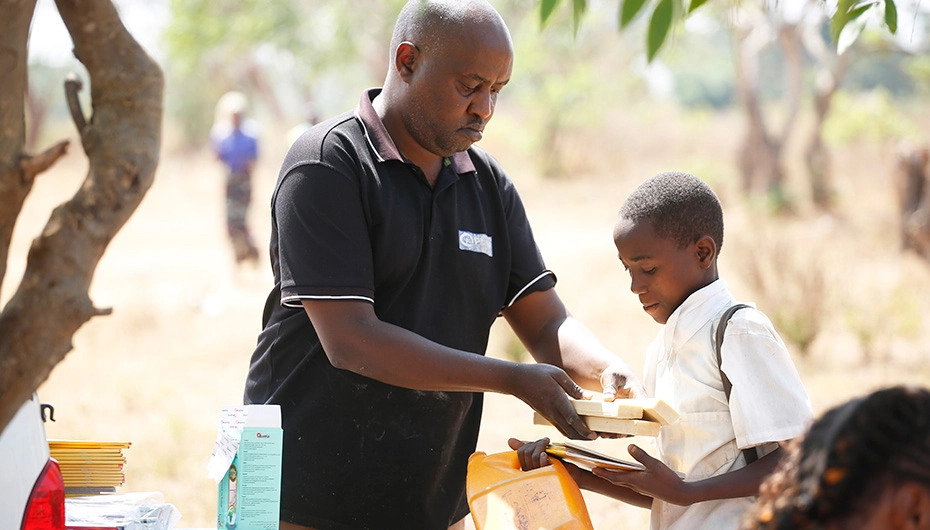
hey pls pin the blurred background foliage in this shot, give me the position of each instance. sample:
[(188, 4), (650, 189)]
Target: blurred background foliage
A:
[(296, 59), (769, 70)]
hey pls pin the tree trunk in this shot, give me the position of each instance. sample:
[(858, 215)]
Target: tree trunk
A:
[(122, 139), (830, 69), (760, 157), (747, 44), (15, 181), (816, 155), (912, 186)]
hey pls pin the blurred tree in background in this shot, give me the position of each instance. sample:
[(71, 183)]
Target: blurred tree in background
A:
[(285, 54), (558, 96), (572, 65), (770, 60), (802, 49)]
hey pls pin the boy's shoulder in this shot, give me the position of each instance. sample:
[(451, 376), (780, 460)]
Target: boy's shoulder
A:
[(747, 312), (748, 320)]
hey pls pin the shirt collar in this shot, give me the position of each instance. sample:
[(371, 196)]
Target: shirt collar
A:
[(693, 314), (381, 143)]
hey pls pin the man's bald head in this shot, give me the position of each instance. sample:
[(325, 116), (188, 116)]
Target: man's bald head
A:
[(449, 60), (431, 23)]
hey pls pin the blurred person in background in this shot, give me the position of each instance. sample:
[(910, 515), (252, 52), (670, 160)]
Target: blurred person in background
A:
[(234, 137)]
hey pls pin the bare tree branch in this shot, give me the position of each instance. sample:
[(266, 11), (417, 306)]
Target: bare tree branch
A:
[(73, 85), (122, 141), (34, 165)]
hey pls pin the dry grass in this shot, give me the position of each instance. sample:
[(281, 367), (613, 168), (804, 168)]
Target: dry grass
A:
[(176, 348)]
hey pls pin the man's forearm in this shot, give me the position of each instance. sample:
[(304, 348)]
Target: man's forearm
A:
[(393, 355), (585, 358)]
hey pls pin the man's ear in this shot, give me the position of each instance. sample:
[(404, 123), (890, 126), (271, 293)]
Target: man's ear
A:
[(706, 251), (405, 59), (912, 506)]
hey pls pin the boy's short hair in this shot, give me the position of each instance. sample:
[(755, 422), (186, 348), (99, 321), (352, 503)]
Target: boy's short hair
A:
[(681, 207)]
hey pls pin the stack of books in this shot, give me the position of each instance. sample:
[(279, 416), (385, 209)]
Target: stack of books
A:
[(89, 467), (631, 417)]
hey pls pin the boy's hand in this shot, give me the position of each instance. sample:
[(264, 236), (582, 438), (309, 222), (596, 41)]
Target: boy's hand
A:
[(532, 455), (618, 383), (657, 481)]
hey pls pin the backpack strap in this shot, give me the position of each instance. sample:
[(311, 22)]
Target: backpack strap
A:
[(749, 454)]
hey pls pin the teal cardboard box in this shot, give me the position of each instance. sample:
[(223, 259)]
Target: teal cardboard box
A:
[(247, 458)]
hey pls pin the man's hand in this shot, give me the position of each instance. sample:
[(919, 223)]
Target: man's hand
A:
[(618, 385), (546, 388), (657, 481)]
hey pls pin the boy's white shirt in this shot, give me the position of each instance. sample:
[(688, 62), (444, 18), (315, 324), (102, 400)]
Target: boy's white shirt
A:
[(768, 402)]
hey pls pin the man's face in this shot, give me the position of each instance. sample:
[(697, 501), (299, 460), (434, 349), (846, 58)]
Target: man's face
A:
[(454, 88), (661, 274)]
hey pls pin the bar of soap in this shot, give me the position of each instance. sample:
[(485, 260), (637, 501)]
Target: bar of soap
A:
[(612, 425), (649, 409)]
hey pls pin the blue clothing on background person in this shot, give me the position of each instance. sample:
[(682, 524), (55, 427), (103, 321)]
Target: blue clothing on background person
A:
[(237, 148), (235, 143)]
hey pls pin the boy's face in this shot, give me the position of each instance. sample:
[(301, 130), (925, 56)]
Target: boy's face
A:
[(662, 274)]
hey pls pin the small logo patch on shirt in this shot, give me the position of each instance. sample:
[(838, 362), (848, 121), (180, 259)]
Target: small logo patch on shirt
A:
[(481, 243)]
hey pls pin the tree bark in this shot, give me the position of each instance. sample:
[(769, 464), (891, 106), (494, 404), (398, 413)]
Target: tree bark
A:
[(122, 140), (14, 184), (830, 70), (912, 187), (760, 157)]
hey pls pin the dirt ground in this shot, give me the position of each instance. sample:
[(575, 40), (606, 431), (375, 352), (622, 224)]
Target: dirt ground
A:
[(176, 348)]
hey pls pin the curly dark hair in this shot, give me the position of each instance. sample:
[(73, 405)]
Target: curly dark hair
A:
[(846, 459), (681, 207)]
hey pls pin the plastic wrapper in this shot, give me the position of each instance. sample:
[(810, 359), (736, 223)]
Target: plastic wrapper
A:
[(125, 511)]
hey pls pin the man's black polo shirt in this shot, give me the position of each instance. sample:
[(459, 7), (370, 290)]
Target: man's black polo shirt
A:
[(353, 220)]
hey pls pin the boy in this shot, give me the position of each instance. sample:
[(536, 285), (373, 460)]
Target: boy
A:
[(668, 234)]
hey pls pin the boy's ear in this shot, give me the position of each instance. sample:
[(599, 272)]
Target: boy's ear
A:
[(912, 506), (706, 249)]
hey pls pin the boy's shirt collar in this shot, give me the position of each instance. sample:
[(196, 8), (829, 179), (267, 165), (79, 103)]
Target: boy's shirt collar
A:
[(694, 313)]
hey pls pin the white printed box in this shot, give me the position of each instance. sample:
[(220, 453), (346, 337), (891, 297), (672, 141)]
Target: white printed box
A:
[(246, 463)]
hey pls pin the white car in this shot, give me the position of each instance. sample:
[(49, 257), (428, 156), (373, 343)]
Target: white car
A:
[(33, 493)]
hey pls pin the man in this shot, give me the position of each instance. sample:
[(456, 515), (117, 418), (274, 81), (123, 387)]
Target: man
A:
[(402, 243), (235, 142)]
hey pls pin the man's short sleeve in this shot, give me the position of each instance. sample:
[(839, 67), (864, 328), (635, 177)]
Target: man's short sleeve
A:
[(528, 270), (323, 238)]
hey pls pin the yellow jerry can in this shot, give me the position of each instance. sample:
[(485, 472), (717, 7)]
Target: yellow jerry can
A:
[(504, 497)]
